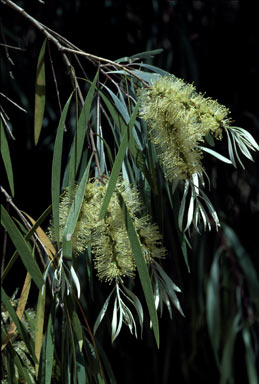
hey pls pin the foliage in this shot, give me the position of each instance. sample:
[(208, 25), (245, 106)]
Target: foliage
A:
[(130, 197)]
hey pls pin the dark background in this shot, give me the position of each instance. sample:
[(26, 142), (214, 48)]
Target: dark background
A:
[(213, 44)]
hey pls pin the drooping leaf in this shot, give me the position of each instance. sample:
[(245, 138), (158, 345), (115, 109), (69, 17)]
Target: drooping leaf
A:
[(213, 304), (27, 237), (49, 345), (118, 163), (74, 211), (250, 356), (56, 168), (84, 119), (147, 54), (6, 158), (142, 270), (22, 248), (39, 323), (226, 363), (102, 312), (182, 205), (217, 155), (40, 94)]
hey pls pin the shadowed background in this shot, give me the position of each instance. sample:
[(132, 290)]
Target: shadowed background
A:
[(213, 44)]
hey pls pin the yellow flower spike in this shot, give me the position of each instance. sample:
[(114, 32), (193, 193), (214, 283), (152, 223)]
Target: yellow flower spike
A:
[(179, 119), (108, 238)]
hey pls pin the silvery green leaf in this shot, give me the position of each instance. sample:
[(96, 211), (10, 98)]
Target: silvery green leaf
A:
[(190, 212), (248, 137), (167, 288), (204, 216), (216, 154), (102, 311), (156, 294), (76, 281), (137, 304), (171, 285), (46, 273), (168, 304), (152, 68), (129, 319), (119, 105), (244, 150), (175, 301), (182, 205), (116, 326), (235, 149), (114, 320), (195, 180), (211, 209), (148, 77), (230, 149), (196, 217)]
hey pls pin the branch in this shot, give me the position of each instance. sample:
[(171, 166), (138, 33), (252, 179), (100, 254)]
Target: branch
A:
[(56, 40)]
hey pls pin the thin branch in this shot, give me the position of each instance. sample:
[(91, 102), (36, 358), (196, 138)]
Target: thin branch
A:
[(11, 101), (3, 117), (6, 49), (56, 40)]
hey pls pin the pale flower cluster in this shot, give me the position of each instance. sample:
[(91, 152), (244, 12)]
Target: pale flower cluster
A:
[(179, 119), (108, 238)]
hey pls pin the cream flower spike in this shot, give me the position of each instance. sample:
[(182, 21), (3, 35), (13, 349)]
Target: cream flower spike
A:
[(108, 238), (179, 119)]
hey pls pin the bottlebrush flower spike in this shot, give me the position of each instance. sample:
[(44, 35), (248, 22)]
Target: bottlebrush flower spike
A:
[(179, 119), (108, 238)]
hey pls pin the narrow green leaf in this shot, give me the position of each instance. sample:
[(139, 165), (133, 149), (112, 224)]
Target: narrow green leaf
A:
[(40, 93), (151, 68), (119, 105), (56, 167), (227, 355), (75, 210), (102, 311), (22, 247), (39, 322), (77, 327), (49, 357), (118, 162), (213, 304), (147, 54), (216, 154), (250, 357), (142, 270), (6, 157), (83, 120), (182, 205), (27, 237)]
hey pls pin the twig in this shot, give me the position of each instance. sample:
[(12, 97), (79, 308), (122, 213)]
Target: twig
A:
[(6, 49), (56, 40), (11, 101), (3, 117)]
